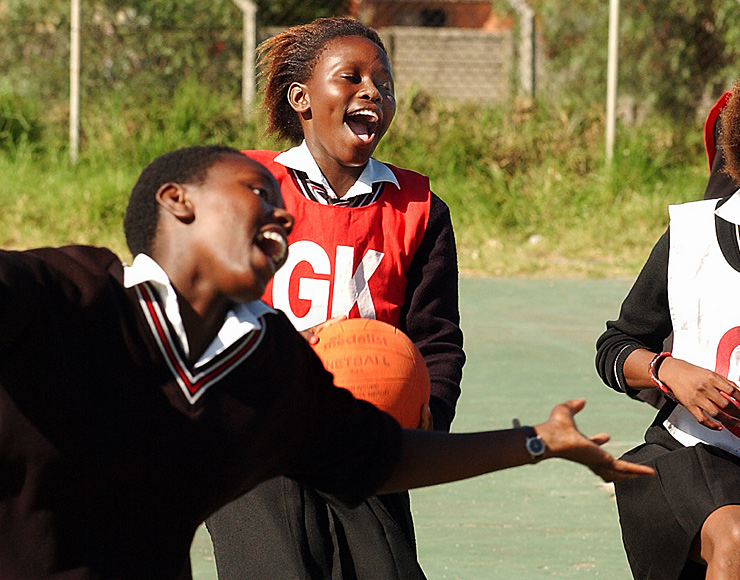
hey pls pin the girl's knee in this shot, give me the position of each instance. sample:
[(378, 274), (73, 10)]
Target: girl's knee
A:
[(720, 534)]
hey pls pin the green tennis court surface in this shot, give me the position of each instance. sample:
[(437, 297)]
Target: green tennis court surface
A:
[(530, 345)]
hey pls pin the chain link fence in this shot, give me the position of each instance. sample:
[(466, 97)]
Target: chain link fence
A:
[(145, 51), (674, 56)]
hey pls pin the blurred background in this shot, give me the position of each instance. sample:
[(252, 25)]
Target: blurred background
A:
[(501, 102), (675, 55)]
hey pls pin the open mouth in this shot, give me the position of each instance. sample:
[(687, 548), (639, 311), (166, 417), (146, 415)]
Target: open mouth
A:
[(363, 123), (274, 245)]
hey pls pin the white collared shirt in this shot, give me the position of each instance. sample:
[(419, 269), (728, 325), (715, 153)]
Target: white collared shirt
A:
[(240, 320), (300, 159), (730, 210)]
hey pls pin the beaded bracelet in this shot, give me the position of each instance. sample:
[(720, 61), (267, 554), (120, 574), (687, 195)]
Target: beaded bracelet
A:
[(654, 367)]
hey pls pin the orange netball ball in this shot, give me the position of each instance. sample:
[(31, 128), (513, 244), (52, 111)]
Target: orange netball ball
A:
[(378, 363)]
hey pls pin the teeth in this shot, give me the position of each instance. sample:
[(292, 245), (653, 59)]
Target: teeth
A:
[(365, 113), (270, 235), (279, 256)]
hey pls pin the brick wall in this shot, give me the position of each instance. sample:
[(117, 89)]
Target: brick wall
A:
[(459, 64)]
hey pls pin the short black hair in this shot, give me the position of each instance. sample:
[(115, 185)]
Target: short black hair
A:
[(187, 165)]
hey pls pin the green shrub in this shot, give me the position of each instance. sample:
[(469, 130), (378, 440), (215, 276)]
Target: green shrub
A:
[(136, 132), (527, 185), (19, 120)]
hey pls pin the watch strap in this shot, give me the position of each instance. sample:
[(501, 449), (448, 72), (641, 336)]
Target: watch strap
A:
[(535, 445)]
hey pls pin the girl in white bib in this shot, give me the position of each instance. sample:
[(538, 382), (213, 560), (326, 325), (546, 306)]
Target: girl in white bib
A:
[(685, 523)]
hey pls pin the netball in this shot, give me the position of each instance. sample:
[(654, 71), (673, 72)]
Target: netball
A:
[(378, 363)]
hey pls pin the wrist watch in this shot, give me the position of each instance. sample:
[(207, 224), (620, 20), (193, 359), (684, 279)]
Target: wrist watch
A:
[(535, 445)]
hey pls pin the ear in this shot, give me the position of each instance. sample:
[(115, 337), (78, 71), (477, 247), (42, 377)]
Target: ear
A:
[(173, 198), (298, 98)]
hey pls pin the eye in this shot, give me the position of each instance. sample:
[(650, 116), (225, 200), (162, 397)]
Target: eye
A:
[(351, 77), (269, 195), (384, 82)]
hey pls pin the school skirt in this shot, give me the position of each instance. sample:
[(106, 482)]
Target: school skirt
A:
[(660, 516), (282, 530)]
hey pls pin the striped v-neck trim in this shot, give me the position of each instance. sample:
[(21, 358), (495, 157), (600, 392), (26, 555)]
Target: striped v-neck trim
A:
[(193, 383), (318, 193)]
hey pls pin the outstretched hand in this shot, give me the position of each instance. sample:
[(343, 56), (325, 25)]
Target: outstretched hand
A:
[(432, 457), (564, 440)]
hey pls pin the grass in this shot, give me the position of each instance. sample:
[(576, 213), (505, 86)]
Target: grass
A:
[(52, 203), (528, 187), (531, 194)]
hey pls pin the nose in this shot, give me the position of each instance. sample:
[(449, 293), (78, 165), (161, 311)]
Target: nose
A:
[(370, 91)]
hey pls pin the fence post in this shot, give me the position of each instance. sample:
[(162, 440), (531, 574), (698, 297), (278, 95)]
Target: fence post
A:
[(74, 82), (611, 80), (249, 11), (527, 47)]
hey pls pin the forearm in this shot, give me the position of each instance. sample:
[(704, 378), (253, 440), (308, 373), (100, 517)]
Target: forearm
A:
[(637, 369), (708, 396), (431, 458)]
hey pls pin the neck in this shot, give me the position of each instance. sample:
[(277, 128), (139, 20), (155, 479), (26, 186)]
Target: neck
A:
[(340, 177), (201, 309), (200, 328), (341, 181)]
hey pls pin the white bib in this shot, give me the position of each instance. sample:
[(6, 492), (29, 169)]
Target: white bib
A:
[(704, 299)]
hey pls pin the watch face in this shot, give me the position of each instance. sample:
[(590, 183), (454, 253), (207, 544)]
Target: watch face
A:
[(535, 446)]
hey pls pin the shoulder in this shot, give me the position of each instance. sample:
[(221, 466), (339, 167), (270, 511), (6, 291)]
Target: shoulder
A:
[(78, 276), (69, 260), (263, 156), (408, 178), (94, 258), (269, 160), (78, 271), (439, 208), (696, 208), (90, 261)]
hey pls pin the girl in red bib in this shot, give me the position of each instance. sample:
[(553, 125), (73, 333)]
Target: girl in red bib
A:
[(371, 240)]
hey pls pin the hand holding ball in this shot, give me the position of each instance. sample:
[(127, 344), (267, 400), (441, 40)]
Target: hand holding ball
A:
[(378, 363)]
